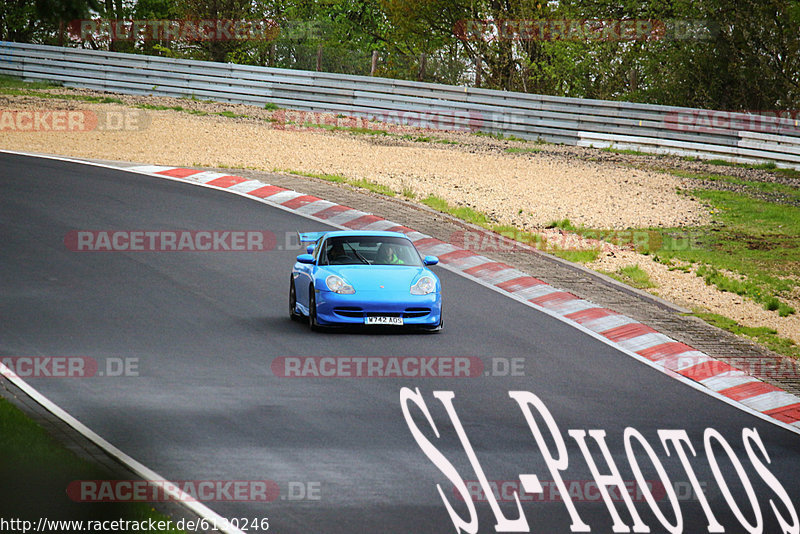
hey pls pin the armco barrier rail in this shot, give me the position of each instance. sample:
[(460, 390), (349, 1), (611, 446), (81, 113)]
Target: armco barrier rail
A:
[(732, 136)]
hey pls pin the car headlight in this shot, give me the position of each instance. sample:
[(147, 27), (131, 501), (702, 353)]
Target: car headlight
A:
[(424, 286), (338, 285)]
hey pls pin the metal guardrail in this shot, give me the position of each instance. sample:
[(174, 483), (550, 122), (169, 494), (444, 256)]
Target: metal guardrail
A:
[(657, 129)]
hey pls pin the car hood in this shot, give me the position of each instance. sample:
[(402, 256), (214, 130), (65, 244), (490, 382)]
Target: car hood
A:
[(379, 277)]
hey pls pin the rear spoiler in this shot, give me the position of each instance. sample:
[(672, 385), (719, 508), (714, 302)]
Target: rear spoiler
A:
[(310, 237)]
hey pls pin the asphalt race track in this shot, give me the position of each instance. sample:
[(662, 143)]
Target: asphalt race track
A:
[(205, 327)]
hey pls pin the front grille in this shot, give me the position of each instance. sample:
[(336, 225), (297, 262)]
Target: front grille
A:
[(349, 311), (355, 311)]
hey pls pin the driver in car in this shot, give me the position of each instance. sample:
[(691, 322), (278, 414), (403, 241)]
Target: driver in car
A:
[(387, 255), (336, 253)]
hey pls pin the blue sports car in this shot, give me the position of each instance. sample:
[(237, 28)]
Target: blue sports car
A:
[(364, 278)]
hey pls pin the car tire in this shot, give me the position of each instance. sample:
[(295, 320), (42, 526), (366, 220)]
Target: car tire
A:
[(293, 302), (312, 310)]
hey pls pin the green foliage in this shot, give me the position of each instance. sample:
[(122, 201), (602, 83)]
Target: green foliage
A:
[(791, 173), (563, 224), (626, 151), (500, 136), (18, 87), (10, 82), (522, 150), (753, 237), (512, 232), (733, 55), (632, 275), (636, 276), (408, 192), (752, 248), (231, 115), (462, 212), (339, 179), (766, 336), (42, 468), (576, 256), (372, 186)]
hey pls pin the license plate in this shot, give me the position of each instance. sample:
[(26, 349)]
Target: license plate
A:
[(384, 320)]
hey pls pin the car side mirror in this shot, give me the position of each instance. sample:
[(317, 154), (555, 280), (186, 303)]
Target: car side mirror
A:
[(310, 249), (305, 258), (430, 260)]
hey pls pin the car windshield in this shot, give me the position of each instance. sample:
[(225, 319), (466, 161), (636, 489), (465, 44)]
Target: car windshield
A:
[(370, 250)]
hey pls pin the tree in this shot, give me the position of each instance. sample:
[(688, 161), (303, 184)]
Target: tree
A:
[(18, 20), (236, 10), (41, 21)]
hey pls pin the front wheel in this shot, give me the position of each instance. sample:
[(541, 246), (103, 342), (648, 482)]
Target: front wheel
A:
[(293, 302), (312, 310)]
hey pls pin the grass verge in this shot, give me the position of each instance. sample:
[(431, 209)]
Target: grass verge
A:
[(522, 150), (535, 240), (17, 87), (752, 247), (36, 471), (339, 179), (763, 335), (10, 82), (626, 151), (576, 256), (754, 238), (500, 136), (359, 130), (634, 276), (462, 212)]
